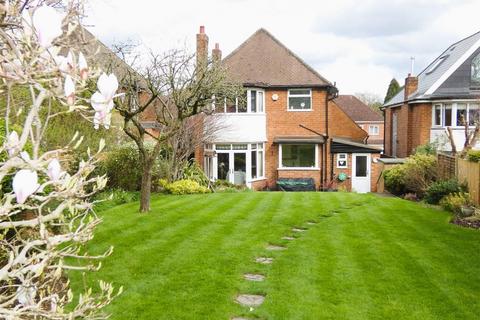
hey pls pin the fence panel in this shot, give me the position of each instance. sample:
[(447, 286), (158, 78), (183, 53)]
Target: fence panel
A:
[(470, 172), (446, 166)]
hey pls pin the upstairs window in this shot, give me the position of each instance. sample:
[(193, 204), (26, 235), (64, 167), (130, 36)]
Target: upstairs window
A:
[(455, 114), (299, 99), (461, 114), (251, 102), (373, 130)]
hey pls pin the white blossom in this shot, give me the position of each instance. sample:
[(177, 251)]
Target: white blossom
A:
[(102, 100), (26, 295), (82, 66), (47, 23), (25, 183), (13, 143), (54, 170), (69, 90)]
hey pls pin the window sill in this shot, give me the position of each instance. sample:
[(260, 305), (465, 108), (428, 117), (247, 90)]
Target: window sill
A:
[(257, 179), (239, 114), (299, 169), (299, 110)]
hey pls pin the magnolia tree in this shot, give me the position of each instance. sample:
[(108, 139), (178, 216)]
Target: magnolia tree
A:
[(46, 216)]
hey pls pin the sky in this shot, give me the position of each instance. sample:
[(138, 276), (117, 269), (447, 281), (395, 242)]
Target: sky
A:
[(360, 45)]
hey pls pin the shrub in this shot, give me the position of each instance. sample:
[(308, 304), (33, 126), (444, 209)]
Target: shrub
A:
[(115, 197), (414, 176), (123, 169), (455, 201), (192, 171), (473, 155), (427, 149), (437, 190), (410, 197), (225, 186), (185, 186)]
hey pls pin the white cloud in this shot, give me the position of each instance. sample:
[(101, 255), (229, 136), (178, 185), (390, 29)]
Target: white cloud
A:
[(361, 47)]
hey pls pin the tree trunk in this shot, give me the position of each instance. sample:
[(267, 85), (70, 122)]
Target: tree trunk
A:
[(146, 188)]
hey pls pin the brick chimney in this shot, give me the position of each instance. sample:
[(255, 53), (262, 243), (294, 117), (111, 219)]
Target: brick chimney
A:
[(202, 47), (411, 85), (217, 53)]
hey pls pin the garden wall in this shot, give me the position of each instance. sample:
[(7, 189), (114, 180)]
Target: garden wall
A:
[(469, 172)]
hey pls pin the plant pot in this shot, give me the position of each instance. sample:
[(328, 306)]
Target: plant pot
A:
[(467, 211)]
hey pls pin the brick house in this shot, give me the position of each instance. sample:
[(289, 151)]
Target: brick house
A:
[(445, 94), (289, 126), (367, 119)]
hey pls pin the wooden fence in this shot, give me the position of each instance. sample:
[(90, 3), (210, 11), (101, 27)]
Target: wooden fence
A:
[(447, 166), (469, 172)]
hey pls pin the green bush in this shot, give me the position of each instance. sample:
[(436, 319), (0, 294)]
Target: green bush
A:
[(192, 171), (437, 190), (115, 197), (185, 186), (473, 155), (427, 149), (226, 186), (455, 201), (123, 169), (413, 176)]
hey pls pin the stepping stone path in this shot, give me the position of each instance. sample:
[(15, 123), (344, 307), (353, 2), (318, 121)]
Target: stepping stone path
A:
[(264, 260), (299, 229), (250, 300), (272, 247), (254, 277), (288, 238)]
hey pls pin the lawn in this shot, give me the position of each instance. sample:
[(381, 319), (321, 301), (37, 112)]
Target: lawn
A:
[(365, 258)]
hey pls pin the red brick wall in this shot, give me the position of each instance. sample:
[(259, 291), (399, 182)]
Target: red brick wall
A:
[(413, 128), (375, 171)]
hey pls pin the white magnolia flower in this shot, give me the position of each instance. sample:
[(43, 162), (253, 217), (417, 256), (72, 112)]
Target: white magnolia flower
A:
[(82, 66), (47, 23), (102, 100), (65, 64), (25, 183), (26, 295), (69, 89), (13, 143), (54, 170)]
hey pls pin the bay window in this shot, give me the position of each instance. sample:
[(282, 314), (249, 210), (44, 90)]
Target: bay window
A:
[(455, 114), (298, 156), (251, 102), (299, 99)]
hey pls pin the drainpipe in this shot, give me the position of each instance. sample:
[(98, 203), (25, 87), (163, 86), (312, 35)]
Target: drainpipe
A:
[(332, 93), (384, 127)]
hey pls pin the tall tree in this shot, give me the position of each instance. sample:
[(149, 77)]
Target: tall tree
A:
[(171, 90), (393, 89), (370, 99)]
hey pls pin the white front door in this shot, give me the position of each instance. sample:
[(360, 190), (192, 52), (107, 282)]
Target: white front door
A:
[(361, 172), (231, 166)]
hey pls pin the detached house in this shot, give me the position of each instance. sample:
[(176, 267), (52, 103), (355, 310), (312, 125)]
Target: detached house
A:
[(445, 94), (367, 119), (289, 126)]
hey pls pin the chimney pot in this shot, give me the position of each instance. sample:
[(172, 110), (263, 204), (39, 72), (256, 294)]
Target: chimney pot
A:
[(202, 29)]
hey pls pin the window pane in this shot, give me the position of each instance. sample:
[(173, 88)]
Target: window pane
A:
[(299, 92), (260, 101), (301, 155), (223, 147), (361, 166), (447, 116), (299, 103), (461, 114), (254, 164), (239, 147), (473, 114), (260, 164), (373, 130), (253, 100), (437, 120), (341, 160)]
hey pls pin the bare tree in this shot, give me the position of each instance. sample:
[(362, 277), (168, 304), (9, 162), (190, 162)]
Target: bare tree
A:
[(471, 135), (372, 100), (171, 89)]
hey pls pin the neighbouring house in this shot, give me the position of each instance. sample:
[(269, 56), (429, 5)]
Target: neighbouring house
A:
[(445, 94), (367, 119), (288, 127)]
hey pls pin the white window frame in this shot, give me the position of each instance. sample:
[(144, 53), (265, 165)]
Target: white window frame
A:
[(454, 108), (299, 96), (375, 131), (280, 164), (249, 102), (339, 159), (259, 148)]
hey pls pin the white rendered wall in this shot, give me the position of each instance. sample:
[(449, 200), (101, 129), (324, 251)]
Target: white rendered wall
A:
[(239, 128)]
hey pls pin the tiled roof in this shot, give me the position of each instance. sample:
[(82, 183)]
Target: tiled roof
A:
[(356, 109), (264, 61), (434, 74)]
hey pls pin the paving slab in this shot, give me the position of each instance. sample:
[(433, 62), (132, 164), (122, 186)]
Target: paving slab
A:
[(250, 300)]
